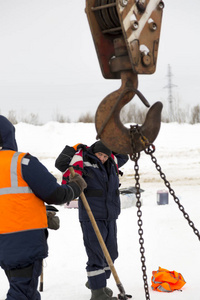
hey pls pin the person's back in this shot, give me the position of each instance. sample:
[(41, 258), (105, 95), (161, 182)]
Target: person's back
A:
[(25, 184)]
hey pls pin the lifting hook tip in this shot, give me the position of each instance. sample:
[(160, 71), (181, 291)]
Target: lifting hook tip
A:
[(109, 127), (120, 139)]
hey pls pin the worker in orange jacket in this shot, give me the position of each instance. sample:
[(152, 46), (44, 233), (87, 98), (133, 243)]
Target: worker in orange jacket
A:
[(25, 184)]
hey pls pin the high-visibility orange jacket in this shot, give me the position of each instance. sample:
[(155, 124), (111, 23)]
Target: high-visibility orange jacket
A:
[(164, 280), (21, 209)]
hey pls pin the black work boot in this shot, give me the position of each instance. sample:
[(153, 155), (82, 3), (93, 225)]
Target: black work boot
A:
[(100, 294), (108, 291)]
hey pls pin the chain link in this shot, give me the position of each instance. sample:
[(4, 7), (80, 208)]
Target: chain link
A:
[(150, 149), (136, 157), (135, 134), (171, 191)]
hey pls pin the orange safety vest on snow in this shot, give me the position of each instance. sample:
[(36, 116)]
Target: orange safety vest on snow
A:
[(20, 208), (164, 280)]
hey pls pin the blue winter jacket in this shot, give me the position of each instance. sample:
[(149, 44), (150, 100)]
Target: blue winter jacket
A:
[(102, 180), (23, 248)]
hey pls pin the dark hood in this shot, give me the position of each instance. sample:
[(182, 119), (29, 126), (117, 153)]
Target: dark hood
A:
[(7, 134)]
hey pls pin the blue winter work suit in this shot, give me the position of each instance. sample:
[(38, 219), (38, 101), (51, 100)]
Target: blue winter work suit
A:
[(22, 252), (102, 194)]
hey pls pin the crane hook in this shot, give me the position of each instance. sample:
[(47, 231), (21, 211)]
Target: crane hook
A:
[(109, 127)]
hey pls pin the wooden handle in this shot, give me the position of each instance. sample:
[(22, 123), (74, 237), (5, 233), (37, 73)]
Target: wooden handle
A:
[(98, 233)]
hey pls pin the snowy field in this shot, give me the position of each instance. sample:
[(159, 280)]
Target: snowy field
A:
[(168, 240)]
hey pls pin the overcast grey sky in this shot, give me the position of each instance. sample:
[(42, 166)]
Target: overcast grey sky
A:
[(48, 64)]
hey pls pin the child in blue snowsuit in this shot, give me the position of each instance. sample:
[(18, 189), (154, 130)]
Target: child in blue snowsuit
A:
[(99, 168)]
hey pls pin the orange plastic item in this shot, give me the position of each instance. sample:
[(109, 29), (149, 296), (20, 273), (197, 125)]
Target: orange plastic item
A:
[(164, 280)]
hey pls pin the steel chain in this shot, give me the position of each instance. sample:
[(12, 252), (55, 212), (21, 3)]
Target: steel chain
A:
[(134, 131), (171, 191), (135, 157), (150, 149)]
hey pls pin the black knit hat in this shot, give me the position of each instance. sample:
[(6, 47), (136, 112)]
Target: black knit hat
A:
[(100, 147)]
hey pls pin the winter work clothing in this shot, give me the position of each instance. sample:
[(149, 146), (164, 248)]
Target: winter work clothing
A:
[(25, 184), (35, 216), (102, 190), (97, 268), (102, 194), (76, 178), (52, 220), (24, 282)]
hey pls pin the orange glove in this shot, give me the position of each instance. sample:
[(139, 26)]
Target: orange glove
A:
[(78, 146), (75, 146)]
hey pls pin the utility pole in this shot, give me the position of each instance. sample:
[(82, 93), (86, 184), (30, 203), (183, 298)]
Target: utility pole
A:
[(170, 97)]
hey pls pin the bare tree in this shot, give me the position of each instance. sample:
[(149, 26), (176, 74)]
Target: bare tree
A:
[(86, 118), (31, 119), (132, 114), (12, 117), (61, 118), (195, 114)]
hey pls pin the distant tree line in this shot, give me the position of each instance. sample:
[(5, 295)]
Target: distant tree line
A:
[(131, 113), (30, 119), (180, 115)]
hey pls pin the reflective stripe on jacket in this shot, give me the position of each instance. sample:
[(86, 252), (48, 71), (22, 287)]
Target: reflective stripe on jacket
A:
[(77, 161), (164, 280), (20, 208), (102, 180)]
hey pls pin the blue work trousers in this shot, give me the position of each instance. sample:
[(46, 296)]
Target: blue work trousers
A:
[(24, 282), (97, 267)]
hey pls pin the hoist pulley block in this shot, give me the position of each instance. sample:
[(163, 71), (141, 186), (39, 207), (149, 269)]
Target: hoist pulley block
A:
[(126, 37), (137, 22)]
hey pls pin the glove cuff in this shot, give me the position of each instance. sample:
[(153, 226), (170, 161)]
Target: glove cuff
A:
[(75, 190)]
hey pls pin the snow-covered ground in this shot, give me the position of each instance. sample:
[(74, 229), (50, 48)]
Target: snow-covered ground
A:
[(168, 240)]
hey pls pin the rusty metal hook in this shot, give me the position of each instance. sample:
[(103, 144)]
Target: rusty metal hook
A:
[(125, 91), (109, 126)]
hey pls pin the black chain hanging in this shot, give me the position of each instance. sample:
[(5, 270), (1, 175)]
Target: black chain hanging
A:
[(135, 157), (134, 130), (150, 151)]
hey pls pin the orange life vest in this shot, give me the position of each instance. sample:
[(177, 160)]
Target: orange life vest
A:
[(164, 280), (20, 208)]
